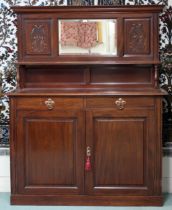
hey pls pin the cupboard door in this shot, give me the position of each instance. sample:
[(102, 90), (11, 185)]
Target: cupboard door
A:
[(50, 152), (122, 152)]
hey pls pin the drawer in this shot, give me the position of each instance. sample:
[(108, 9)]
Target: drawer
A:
[(48, 103), (119, 102)]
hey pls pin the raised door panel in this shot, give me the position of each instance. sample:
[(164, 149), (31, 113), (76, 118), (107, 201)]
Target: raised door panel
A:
[(121, 157), (50, 152)]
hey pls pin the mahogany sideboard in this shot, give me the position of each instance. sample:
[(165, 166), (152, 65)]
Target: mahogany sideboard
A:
[(85, 124)]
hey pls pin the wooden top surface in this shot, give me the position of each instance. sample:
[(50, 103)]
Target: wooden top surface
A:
[(126, 8), (74, 92), (117, 62)]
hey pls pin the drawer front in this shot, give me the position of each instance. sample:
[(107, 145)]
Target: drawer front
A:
[(119, 102), (49, 103)]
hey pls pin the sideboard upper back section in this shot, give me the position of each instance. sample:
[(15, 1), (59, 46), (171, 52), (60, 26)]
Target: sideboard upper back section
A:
[(134, 34)]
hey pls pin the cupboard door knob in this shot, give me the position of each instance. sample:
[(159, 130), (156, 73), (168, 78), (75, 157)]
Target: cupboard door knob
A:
[(88, 161), (120, 103), (49, 103), (88, 151)]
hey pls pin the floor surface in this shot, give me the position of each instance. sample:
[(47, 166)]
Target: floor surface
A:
[(5, 205)]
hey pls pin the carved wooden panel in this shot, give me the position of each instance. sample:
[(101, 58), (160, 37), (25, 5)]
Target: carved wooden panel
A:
[(137, 36), (37, 37)]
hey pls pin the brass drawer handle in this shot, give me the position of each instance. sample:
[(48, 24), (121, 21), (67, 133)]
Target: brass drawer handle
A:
[(120, 103), (49, 103)]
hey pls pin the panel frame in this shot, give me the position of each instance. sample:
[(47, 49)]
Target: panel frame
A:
[(147, 25)]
